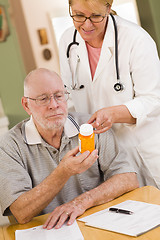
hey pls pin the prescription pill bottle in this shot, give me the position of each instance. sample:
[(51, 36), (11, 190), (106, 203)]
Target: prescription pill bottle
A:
[(86, 138)]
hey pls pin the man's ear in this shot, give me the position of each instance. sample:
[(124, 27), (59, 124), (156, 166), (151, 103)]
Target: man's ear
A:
[(24, 102)]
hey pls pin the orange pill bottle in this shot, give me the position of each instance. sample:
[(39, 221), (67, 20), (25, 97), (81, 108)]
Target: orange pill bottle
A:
[(86, 138)]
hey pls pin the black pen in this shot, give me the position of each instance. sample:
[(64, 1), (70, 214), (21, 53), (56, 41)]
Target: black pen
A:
[(118, 210)]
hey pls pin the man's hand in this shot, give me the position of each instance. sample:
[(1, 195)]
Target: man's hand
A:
[(72, 164), (70, 210), (107, 191), (32, 202)]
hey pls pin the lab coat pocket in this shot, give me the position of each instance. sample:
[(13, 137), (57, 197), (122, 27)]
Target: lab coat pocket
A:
[(149, 150)]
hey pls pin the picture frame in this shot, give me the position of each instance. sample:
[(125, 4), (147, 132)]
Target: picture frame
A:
[(4, 28)]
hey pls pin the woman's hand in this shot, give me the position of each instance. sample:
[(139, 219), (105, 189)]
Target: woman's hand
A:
[(103, 119)]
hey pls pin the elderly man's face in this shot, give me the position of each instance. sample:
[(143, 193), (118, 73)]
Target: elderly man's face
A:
[(47, 114)]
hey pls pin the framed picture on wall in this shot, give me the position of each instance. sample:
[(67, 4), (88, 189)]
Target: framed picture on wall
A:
[(4, 28)]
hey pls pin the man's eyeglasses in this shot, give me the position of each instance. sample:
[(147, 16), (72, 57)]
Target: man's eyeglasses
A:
[(46, 99), (92, 18)]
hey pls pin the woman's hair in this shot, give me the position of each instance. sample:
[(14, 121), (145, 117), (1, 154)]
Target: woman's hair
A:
[(105, 2), (92, 2)]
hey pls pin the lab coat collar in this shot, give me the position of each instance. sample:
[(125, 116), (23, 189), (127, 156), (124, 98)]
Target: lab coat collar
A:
[(32, 135), (81, 51), (109, 40), (107, 49)]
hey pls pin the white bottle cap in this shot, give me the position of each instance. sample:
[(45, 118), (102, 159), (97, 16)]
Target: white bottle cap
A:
[(86, 129)]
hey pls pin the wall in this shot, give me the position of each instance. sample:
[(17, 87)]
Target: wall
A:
[(30, 16), (155, 10), (22, 52), (11, 75), (150, 18), (38, 10)]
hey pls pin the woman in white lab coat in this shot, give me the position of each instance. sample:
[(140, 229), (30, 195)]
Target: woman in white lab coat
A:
[(128, 100)]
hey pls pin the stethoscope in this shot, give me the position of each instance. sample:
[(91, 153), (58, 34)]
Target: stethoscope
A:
[(118, 86)]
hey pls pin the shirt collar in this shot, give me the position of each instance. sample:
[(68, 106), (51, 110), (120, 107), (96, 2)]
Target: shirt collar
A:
[(32, 135)]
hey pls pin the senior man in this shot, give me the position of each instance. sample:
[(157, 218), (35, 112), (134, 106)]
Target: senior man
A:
[(41, 169)]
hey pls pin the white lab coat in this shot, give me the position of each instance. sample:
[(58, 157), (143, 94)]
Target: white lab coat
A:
[(139, 68)]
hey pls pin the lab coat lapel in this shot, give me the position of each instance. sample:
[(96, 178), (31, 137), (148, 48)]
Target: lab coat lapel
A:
[(83, 54), (107, 49)]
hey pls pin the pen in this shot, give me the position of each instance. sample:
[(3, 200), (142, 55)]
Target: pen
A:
[(118, 210)]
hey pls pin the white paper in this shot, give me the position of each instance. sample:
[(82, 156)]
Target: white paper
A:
[(38, 233), (144, 218)]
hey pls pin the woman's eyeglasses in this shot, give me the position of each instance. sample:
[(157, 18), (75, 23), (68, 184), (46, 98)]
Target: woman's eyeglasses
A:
[(92, 18)]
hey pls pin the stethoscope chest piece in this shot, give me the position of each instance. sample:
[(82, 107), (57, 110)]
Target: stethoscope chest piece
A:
[(118, 87)]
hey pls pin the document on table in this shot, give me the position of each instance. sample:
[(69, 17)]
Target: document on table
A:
[(144, 218), (65, 232)]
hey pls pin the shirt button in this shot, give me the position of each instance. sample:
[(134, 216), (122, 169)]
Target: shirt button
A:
[(54, 152)]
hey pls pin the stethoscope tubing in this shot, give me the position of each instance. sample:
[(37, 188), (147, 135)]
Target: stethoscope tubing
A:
[(117, 86), (116, 46), (72, 43)]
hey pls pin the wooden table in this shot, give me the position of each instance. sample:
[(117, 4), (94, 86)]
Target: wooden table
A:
[(1, 234), (146, 194)]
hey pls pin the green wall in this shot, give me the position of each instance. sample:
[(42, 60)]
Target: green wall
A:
[(12, 74), (149, 11)]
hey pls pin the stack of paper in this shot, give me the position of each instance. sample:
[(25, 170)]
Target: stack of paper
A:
[(144, 218), (38, 233)]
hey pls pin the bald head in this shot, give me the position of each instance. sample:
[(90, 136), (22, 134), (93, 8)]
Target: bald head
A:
[(41, 79), (40, 85)]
